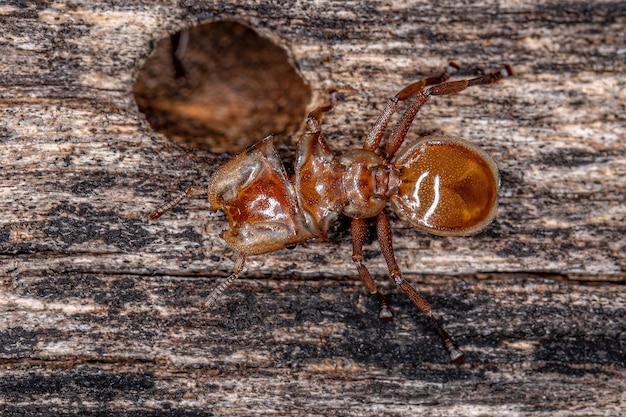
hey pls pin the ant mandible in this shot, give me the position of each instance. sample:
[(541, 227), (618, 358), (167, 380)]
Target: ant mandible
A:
[(440, 184)]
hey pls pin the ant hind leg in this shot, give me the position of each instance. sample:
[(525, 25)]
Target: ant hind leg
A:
[(358, 236), (383, 229), (375, 135), (402, 126)]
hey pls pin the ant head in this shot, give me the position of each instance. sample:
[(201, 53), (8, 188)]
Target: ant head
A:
[(448, 186)]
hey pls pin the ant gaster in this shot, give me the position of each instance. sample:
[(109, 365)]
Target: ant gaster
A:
[(440, 184)]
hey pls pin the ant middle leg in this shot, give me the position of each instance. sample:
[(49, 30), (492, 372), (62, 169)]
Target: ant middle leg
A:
[(357, 228)]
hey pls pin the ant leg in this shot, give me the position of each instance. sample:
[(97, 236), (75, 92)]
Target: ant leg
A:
[(192, 191), (357, 228), (240, 262), (373, 138), (314, 118), (402, 126), (383, 231)]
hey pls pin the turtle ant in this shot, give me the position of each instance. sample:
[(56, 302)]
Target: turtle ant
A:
[(440, 184)]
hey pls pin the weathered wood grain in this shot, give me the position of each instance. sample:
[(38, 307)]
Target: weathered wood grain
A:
[(99, 308)]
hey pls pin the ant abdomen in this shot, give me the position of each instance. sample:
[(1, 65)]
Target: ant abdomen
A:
[(448, 186)]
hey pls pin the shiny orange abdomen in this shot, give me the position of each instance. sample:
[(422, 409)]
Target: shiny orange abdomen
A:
[(448, 186)]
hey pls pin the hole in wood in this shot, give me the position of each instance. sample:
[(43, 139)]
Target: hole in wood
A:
[(220, 86)]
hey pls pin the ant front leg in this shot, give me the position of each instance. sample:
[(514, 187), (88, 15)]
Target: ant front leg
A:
[(314, 120), (357, 228), (383, 232)]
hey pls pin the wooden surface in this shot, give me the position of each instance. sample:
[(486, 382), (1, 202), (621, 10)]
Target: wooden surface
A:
[(99, 308)]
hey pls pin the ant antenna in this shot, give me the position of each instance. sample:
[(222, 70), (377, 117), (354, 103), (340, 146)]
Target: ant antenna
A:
[(193, 191), (239, 261), (215, 294)]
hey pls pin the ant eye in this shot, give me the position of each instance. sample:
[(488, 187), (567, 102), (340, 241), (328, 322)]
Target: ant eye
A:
[(448, 186)]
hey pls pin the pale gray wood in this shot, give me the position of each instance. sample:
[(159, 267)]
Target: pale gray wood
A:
[(99, 308)]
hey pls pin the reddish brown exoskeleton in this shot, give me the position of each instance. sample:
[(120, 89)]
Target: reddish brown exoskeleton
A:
[(439, 184)]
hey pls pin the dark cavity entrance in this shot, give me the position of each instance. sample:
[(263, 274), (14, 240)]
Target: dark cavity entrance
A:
[(220, 86)]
